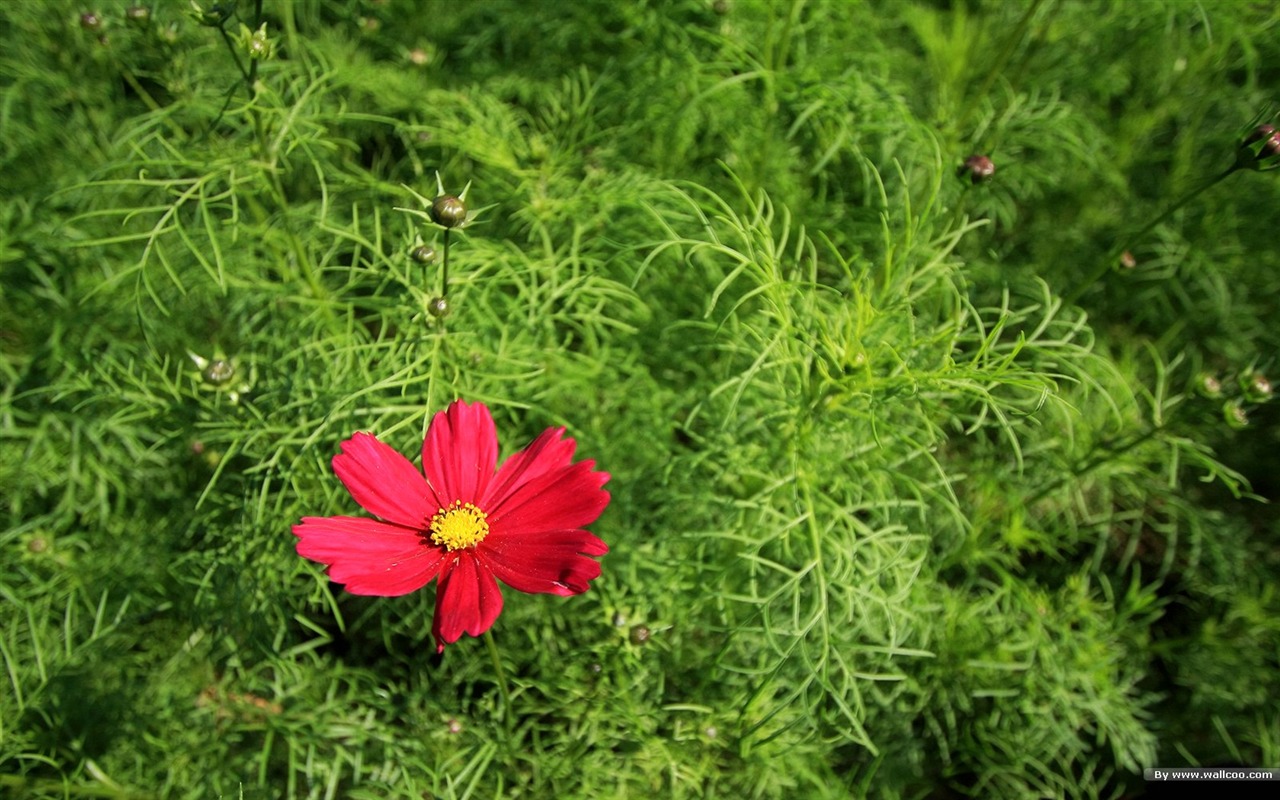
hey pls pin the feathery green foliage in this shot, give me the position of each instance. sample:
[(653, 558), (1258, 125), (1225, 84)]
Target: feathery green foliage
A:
[(916, 491)]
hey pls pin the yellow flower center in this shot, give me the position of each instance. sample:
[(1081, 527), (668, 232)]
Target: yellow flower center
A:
[(458, 526)]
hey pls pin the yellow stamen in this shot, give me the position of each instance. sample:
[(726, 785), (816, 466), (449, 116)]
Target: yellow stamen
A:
[(458, 526)]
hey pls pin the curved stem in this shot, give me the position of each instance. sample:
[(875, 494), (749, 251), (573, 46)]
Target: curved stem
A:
[(444, 267), (1095, 462), (501, 675), (249, 75), (1106, 265), (1182, 202), (1010, 45), (244, 73), (253, 62)]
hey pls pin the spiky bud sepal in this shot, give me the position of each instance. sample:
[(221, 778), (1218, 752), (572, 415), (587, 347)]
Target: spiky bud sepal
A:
[(1260, 149)]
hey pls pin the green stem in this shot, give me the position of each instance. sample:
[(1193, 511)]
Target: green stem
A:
[(444, 267), (1106, 265), (501, 675), (253, 62), (1010, 45), (249, 75), (244, 73), (1094, 463), (1182, 202)]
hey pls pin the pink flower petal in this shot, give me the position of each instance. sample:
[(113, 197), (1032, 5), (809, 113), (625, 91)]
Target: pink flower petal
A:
[(552, 562), (559, 499), (384, 482), (460, 452), (544, 454), (467, 599), (370, 557)]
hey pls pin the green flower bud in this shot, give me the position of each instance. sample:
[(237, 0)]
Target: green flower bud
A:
[(90, 21), (217, 14), (1208, 386), (1256, 387), (221, 374), (256, 44), (219, 371), (448, 211), (640, 635), (423, 254), (438, 307), (137, 15), (1233, 412)]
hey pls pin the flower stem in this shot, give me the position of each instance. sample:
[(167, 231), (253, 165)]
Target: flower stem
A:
[(1108, 454), (249, 75), (231, 48), (1011, 43), (501, 675), (1106, 265), (444, 267)]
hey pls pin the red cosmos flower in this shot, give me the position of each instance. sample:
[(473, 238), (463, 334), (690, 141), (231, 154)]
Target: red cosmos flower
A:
[(462, 523)]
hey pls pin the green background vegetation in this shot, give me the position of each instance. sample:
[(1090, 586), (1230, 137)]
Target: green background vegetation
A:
[(913, 493)]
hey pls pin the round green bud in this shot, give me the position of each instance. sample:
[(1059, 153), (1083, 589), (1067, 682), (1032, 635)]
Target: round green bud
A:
[(1256, 387), (448, 211), (640, 635), (423, 254), (438, 307), (137, 15), (1233, 412), (219, 371), (1209, 386)]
